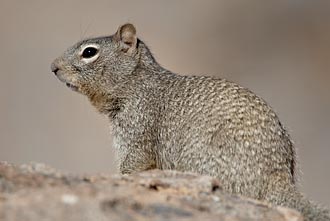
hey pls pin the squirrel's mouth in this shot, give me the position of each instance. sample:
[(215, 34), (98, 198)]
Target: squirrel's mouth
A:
[(72, 87), (60, 76)]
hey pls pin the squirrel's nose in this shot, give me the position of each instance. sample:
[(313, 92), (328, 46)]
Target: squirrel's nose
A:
[(54, 68)]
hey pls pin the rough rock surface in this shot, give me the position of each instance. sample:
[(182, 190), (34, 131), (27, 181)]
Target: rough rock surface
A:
[(38, 192)]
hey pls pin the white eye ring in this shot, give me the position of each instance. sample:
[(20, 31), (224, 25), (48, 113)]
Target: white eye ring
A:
[(89, 53)]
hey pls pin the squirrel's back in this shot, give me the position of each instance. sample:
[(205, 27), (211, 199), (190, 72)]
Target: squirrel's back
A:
[(216, 127)]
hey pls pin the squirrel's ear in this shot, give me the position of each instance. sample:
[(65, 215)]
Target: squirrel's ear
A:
[(126, 35)]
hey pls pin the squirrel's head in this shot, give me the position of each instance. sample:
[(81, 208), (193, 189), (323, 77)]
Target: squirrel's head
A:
[(97, 66)]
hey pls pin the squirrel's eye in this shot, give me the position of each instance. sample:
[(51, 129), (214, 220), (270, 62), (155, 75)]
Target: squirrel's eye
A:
[(89, 52)]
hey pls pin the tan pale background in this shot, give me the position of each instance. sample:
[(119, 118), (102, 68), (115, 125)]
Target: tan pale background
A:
[(279, 49)]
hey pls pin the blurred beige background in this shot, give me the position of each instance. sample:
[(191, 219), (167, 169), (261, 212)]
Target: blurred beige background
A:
[(280, 49)]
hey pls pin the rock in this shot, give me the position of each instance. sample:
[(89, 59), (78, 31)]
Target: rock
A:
[(38, 192)]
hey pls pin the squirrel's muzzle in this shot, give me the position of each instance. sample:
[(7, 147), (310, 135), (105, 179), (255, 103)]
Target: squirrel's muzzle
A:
[(54, 67)]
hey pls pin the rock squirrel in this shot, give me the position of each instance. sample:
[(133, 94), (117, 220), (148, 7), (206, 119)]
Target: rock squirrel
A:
[(199, 124)]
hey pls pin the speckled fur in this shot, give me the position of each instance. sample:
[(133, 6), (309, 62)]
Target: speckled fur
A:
[(206, 125)]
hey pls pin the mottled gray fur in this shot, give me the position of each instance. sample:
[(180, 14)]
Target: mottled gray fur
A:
[(164, 120)]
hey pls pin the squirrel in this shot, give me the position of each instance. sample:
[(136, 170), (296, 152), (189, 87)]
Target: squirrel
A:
[(163, 120)]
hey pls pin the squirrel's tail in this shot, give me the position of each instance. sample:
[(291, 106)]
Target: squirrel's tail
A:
[(310, 210), (283, 194)]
